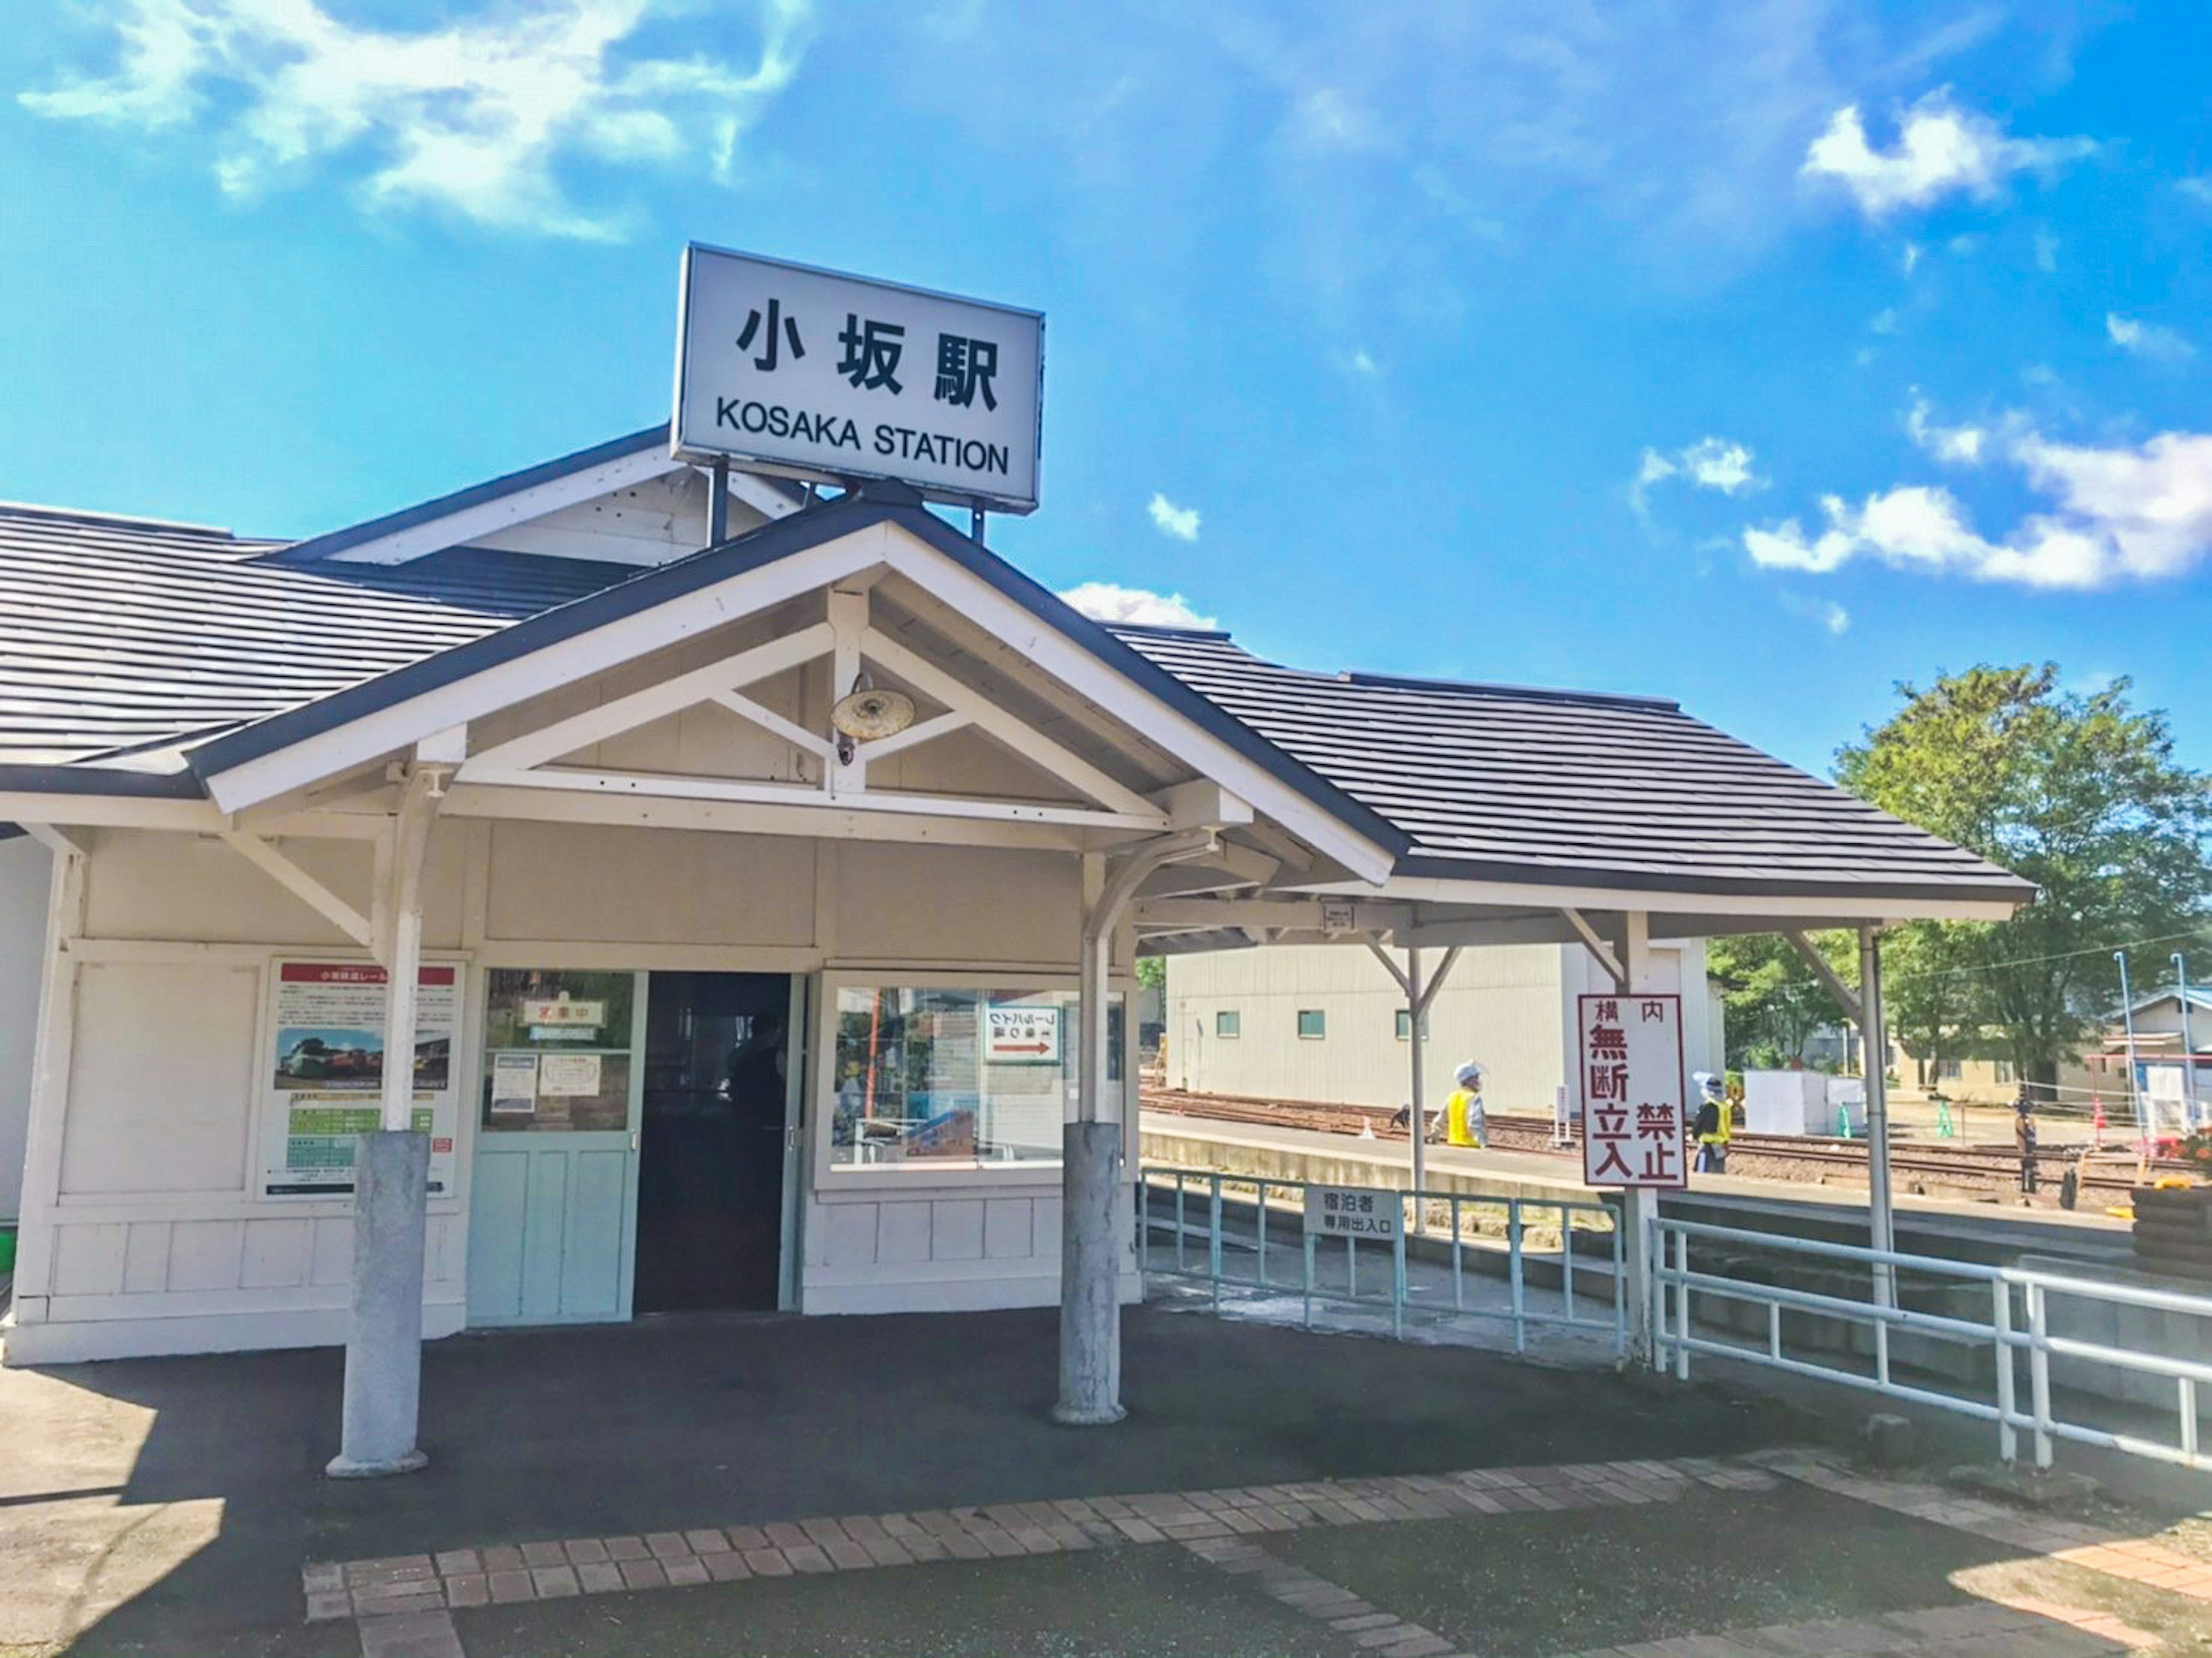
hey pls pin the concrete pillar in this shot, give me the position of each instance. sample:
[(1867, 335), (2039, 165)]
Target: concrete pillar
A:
[(391, 1169), (384, 1344), (1089, 1177), (1090, 1292)]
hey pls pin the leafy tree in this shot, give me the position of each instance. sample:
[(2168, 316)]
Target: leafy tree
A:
[(1773, 1002), (1931, 994), (1152, 972), (2076, 792)]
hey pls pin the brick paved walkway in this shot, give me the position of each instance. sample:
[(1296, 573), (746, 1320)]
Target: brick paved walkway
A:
[(403, 1603)]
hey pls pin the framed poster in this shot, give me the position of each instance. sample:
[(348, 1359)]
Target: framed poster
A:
[(324, 1076)]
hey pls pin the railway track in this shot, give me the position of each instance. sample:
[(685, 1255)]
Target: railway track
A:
[(1978, 1171)]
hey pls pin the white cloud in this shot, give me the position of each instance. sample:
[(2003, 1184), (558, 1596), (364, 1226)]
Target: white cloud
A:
[(1940, 150), (2197, 186), (1105, 602), (1328, 118), (1831, 616), (2112, 515), (1710, 463), (2146, 339), (472, 117), (1359, 362), (1181, 522), (1911, 257), (2046, 252), (1958, 445), (1883, 322)]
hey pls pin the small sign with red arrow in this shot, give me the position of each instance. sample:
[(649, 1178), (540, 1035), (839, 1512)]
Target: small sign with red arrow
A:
[(1022, 1033)]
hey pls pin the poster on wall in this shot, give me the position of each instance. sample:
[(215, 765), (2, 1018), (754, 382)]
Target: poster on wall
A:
[(326, 1074)]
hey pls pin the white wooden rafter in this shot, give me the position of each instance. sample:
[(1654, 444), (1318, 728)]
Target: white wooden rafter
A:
[(528, 761), (301, 884)]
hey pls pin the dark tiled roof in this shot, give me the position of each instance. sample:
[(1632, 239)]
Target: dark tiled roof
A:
[(118, 634), (1506, 783)]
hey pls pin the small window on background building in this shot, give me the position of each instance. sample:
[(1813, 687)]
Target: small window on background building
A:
[(1226, 1023), (2004, 1072), (1313, 1024), (1950, 1071), (1406, 1027)]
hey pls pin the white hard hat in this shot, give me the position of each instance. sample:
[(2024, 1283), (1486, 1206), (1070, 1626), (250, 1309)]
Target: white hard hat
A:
[(1468, 1074), (1709, 1085)]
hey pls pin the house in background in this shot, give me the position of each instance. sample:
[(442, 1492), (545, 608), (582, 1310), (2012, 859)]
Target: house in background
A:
[(1325, 1023)]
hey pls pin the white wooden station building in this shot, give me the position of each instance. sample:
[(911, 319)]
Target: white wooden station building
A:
[(713, 1006)]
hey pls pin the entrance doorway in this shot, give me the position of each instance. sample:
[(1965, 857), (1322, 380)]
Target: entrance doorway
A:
[(718, 1064)]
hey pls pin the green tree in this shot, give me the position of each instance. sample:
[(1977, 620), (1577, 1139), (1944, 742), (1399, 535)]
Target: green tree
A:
[(1152, 972), (1931, 992), (1773, 1003), (2076, 792)]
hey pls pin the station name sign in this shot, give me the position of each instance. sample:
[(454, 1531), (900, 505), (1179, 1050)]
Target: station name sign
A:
[(818, 375)]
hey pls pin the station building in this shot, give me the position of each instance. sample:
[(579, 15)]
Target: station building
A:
[(716, 1007)]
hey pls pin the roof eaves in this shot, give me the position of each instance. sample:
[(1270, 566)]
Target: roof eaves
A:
[(66, 778), (337, 541), (1998, 886), (1101, 642), (656, 585)]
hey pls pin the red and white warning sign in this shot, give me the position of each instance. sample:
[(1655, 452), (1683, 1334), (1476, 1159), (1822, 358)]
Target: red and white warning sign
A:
[(1629, 1056)]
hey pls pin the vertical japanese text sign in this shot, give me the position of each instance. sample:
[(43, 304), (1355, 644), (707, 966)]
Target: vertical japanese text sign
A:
[(827, 376), (1629, 1052)]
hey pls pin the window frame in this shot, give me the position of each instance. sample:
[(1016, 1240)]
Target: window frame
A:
[(1319, 1014), (1227, 1024), (830, 1179)]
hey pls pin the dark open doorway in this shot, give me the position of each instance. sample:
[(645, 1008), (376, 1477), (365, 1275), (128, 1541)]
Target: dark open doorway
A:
[(711, 1159)]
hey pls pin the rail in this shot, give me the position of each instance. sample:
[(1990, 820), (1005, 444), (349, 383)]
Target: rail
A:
[(2019, 1321), (1221, 1232)]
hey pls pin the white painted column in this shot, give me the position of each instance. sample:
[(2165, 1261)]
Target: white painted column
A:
[(1091, 1151), (1418, 1082), (51, 1049), (1873, 1040), (391, 1191)]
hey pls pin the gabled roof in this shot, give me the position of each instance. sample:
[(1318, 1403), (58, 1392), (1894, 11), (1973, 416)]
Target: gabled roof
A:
[(1510, 784), (116, 635)]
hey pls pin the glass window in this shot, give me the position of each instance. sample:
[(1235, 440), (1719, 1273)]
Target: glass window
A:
[(1227, 1022), (958, 1077), (1312, 1023), (558, 1051), (1406, 1027), (1950, 1071)]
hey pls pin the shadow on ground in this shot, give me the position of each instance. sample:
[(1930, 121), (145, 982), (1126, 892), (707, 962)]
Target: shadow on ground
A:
[(677, 1423)]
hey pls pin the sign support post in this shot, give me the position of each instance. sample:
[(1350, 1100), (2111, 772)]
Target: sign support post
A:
[(1628, 1067)]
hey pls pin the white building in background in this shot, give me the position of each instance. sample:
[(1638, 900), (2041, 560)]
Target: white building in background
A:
[(1326, 1022)]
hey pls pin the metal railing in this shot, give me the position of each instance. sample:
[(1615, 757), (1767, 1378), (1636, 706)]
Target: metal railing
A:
[(1222, 1232), (2019, 1320)]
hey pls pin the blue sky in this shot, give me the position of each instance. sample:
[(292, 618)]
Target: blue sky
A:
[(1759, 356)]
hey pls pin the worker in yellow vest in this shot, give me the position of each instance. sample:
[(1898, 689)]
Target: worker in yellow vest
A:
[(1463, 1116), (1714, 1124)]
